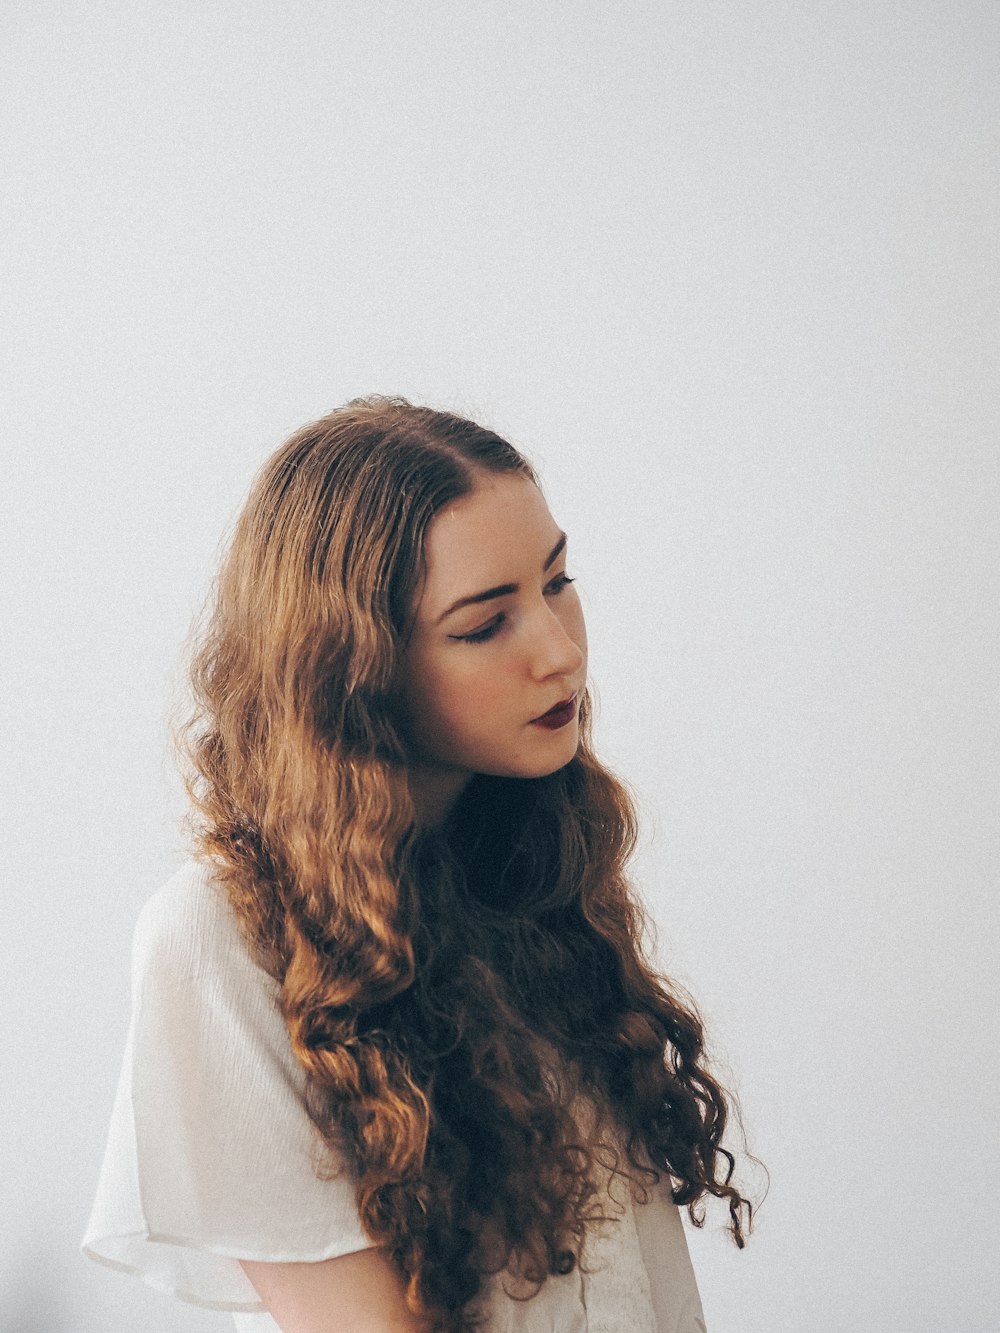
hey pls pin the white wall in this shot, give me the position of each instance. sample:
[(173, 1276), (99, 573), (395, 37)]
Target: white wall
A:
[(729, 273)]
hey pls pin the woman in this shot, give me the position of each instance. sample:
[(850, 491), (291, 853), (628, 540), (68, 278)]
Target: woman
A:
[(397, 1060)]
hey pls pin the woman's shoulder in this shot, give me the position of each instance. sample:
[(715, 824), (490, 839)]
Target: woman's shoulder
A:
[(187, 927)]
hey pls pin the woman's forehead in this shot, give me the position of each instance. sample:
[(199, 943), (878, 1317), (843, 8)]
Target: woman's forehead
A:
[(496, 534), (504, 518)]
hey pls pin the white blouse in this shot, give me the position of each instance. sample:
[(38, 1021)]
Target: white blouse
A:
[(210, 1153)]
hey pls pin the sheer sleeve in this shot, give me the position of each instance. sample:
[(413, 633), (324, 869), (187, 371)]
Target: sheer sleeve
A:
[(210, 1154)]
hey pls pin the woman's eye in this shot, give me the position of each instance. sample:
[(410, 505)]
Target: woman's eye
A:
[(560, 582), (481, 635)]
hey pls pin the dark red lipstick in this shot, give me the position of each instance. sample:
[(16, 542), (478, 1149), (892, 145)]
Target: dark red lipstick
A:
[(558, 716)]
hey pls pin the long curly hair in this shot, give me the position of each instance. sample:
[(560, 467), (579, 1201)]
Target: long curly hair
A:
[(447, 990)]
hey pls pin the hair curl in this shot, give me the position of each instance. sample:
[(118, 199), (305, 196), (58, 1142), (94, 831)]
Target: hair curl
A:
[(446, 990)]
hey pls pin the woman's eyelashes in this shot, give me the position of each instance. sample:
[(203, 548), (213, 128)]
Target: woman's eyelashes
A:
[(481, 635), (557, 585)]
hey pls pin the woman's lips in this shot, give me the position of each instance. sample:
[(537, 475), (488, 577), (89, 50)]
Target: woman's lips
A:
[(558, 716)]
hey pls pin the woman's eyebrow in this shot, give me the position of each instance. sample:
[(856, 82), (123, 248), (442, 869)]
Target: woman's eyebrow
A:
[(504, 589)]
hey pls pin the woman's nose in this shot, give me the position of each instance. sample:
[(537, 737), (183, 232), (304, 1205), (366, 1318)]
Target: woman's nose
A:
[(556, 651)]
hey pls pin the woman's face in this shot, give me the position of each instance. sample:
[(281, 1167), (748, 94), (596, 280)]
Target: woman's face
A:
[(498, 639)]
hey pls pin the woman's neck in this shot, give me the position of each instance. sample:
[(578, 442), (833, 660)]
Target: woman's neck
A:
[(435, 792)]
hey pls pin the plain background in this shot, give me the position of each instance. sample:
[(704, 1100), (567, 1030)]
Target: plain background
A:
[(729, 274)]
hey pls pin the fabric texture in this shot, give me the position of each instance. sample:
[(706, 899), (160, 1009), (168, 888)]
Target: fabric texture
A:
[(211, 1156)]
